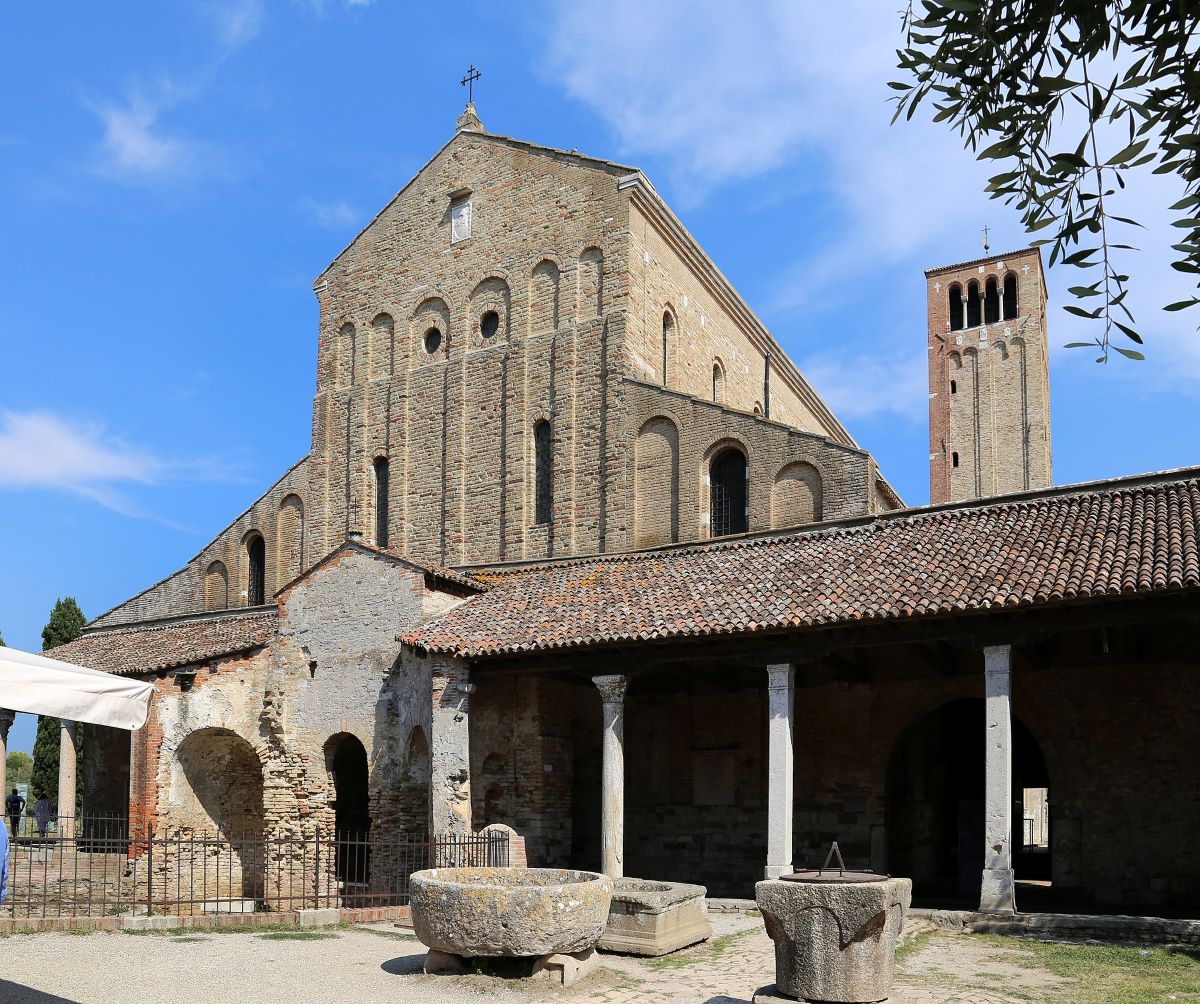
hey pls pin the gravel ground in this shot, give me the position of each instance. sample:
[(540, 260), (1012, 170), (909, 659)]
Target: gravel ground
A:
[(343, 965)]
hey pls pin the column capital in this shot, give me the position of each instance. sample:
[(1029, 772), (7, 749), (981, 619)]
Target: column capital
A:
[(612, 688), (6, 719), (781, 675), (997, 658)]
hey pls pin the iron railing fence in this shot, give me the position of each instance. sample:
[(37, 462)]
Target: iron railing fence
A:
[(104, 869)]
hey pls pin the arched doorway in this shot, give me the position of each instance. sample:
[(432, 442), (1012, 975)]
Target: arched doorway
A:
[(935, 802), (217, 785), (346, 759)]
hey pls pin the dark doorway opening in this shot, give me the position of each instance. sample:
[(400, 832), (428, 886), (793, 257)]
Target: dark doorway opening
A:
[(935, 803), (347, 761)]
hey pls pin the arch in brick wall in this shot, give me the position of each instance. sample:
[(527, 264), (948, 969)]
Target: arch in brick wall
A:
[(254, 568), (382, 345), (590, 283), (957, 310), (718, 381), (670, 344), (490, 296), (289, 539), (544, 297), (216, 586), (796, 496), (344, 356), (1010, 296), (656, 483), (715, 469), (412, 798), (432, 312)]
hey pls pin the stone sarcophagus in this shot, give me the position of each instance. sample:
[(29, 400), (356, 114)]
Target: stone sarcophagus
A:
[(655, 918), (835, 933)]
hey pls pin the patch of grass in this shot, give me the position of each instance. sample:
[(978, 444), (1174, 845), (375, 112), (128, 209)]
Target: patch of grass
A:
[(706, 953), (187, 939), (286, 934), (1110, 974), (392, 935), (910, 946)]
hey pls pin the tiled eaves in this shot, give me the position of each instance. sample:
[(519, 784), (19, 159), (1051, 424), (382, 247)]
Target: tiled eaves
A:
[(150, 646), (1122, 537)]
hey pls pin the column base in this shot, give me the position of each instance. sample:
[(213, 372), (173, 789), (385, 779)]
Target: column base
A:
[(998, 892), (775, 871)]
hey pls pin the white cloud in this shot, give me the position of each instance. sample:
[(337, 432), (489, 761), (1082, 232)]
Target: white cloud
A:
[(40, 449), (44, 450), (337, 214), (865, 386), (133, 146), (238, 22)]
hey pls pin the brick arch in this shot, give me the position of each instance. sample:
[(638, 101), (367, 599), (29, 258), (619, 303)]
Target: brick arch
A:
[(431, 312), (707, 489), (253, 577), (344, 355), (216, 586), (381, 346), (656, 483), (545, 282), (289, 539), (719, 389), (670, 343), (491, 294), (796, 496), (412, 795), (589, 283)]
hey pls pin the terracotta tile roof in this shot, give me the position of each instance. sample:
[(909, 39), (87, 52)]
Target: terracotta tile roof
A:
[(1136, 535), (149, 646)]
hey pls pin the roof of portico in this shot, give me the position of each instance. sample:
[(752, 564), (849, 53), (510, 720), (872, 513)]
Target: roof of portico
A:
[(1115, 538), (150, 646)]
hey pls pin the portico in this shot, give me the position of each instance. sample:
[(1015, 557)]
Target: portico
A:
[(915, 738)]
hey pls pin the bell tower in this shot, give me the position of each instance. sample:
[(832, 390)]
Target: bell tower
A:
[(989, 380)]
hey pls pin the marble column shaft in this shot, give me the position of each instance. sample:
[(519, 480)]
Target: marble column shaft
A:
[(780, 768), (66, 778), (997, 892), (612, 836)]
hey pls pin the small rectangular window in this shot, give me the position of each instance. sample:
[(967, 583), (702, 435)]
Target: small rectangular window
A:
[(460, 220), (954, 458)]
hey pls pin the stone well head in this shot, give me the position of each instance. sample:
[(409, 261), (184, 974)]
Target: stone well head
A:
[(517, 912)]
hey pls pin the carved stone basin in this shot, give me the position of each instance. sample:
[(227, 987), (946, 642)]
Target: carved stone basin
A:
[(521, 912)]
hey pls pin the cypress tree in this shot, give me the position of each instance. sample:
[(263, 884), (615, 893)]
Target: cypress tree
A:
[(65, 625)]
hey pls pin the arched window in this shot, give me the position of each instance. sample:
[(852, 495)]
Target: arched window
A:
[(973, 313), (668, 334), (718, 383), (727, 493), (954, 458), (953, 386), (991, 302), (956, 307), (381, 501), (256, 570), (1010, 296), (543, 473)]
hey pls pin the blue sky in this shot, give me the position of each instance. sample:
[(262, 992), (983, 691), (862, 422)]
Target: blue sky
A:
[(176, 173)]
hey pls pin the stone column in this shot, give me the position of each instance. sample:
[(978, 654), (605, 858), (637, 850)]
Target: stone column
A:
[(6, 719), (612, 836), (450, 751), (780, 771), (66, 778), (997, 894)]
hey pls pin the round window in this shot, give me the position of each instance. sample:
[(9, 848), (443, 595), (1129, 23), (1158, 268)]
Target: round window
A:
[(433, 340), (489, 324)]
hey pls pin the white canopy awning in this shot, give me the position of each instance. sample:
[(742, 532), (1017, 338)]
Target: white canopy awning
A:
[(41, 686)]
